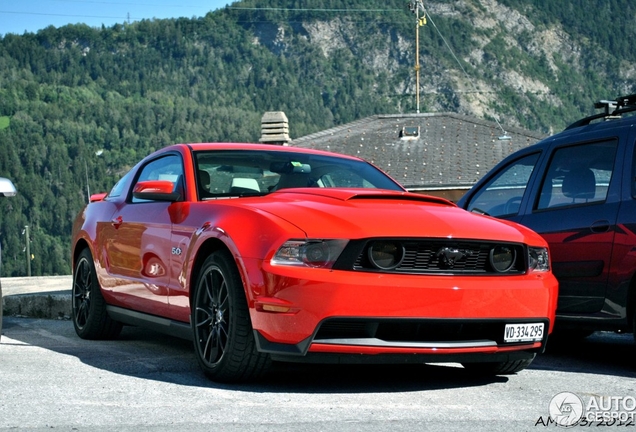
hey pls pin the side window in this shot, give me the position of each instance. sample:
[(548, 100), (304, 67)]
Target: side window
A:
[(118, 189), (502, 195), (578, 175), (165, 168)]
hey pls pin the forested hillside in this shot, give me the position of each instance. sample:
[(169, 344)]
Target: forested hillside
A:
[(80, 105)]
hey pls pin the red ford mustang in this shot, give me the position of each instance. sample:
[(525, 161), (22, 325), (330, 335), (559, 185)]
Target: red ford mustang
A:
[(261, 252)]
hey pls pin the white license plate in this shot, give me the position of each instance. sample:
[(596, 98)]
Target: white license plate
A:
[(523, 332)]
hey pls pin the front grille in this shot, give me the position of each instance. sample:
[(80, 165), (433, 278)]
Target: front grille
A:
[(428, 256)]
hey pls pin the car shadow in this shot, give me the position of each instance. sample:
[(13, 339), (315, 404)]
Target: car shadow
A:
[(604, 353), (148, 355), (320, 378)]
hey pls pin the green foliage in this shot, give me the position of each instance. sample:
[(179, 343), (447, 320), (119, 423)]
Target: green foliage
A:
[(79, 106)]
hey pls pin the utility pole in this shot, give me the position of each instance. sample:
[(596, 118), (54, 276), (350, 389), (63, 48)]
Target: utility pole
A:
[(415, 6), (88, 190), (28, 250)]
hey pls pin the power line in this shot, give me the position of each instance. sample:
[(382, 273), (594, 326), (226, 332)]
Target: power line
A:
[(313, 9), (186, 6), (470, 81), (61, 15), (126, 3)]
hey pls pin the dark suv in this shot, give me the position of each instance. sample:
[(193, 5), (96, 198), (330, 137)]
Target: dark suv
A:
[(578, 190)]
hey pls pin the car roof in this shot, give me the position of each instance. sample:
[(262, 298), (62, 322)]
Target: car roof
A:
[(576, 131), (259, 147)]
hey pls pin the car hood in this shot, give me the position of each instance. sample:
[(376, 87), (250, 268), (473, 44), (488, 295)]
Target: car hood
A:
[(360, 213)]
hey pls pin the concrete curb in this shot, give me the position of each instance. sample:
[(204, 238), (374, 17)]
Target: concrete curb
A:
[(37, 297), (50, 306)]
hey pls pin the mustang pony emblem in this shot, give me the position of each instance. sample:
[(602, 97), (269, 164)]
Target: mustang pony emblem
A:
[(449, 256)]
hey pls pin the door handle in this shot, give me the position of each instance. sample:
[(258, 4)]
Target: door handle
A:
[(117, 221), (600, 226)]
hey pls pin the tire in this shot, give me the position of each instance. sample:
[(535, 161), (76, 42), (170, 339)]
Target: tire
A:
[(498, 368), (90, 318), (223, 335)]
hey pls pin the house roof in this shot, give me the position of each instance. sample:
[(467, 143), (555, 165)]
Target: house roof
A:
[(452, 151)]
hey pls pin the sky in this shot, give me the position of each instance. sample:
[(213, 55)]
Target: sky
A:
[(30, 16)]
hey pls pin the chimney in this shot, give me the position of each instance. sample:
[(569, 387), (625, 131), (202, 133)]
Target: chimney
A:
[(275, 128)]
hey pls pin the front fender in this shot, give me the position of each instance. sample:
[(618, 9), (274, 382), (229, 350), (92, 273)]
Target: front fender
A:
[(249, 235)]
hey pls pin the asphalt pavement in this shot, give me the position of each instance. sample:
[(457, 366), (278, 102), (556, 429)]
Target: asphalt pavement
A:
[(37, 297)]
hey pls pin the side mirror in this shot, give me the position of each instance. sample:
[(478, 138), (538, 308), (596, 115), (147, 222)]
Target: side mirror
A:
[(156, 190), (98, 197), (7, 189)]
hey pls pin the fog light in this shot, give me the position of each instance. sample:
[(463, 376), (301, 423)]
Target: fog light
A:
[(502, 258), (386, 255)]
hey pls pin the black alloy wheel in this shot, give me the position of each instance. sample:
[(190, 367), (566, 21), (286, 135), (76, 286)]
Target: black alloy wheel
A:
[(90, 318), (223, 335)]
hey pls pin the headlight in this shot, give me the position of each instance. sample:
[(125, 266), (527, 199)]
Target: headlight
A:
[(309, 253), (386, 255), (502, 258), (538, 259)]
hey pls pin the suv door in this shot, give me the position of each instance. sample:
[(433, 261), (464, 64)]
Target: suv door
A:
[(621, 295), (575, 209), (570, 194)]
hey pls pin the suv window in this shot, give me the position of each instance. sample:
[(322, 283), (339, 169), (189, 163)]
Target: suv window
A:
[(503, 194), (578, 175)]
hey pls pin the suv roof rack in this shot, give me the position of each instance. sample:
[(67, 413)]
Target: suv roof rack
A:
[(611, 109)]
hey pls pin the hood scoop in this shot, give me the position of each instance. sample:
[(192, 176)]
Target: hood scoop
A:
[(366, 194)]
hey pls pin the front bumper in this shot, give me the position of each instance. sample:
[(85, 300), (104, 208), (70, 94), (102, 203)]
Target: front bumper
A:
[(405, 340), (302, 311)]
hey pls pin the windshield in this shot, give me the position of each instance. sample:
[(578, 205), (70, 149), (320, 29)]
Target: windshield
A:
[(224, 173)]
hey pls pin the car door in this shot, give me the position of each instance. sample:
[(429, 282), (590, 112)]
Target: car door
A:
[(620, 291), (140, 248), (574, 207)]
